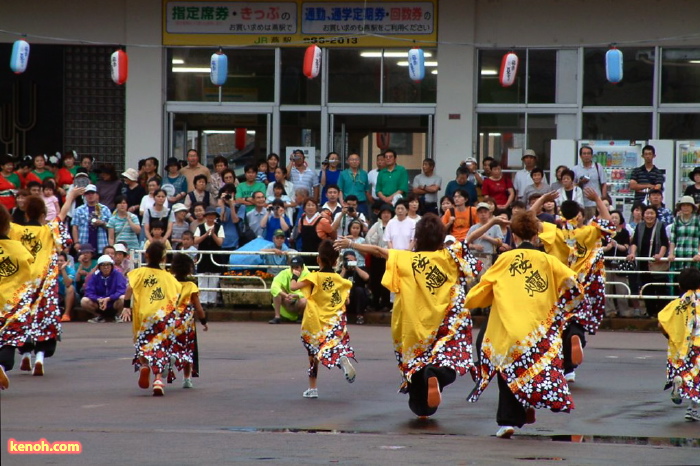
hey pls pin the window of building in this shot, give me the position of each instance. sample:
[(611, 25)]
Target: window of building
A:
[(602, 126), (680, 76), (297, 89), (542, 79), (499, 132), (400, 88), (355, 78), (679, 126)]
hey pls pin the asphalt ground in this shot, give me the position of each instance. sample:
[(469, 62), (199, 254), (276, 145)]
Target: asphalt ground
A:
[(246, 408)]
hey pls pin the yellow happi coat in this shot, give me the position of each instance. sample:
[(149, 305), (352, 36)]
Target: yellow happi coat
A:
[(679, 319), (44, 242), (532, 296), (323, 327), (581, 249), (430, 323), (15, 292)]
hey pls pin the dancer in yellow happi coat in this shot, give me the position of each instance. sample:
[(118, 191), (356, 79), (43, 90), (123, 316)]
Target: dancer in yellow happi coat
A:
[(15, 316), (431, 326), (680, 322), (153, 311), (324, 325), (580, 247), (44, 240), (532, 297)]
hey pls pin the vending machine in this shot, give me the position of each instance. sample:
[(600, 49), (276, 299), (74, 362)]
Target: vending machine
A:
[(688, 158)]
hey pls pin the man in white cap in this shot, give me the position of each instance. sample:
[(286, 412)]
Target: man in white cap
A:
[(132, 190), (90, 221), (104, 292), (122, 262), (522, 177)]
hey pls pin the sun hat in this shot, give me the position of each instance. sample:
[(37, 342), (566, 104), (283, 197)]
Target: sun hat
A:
[(105, 259), (131, 174)]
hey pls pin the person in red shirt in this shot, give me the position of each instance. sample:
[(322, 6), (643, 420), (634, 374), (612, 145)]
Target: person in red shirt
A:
[(499, 187)]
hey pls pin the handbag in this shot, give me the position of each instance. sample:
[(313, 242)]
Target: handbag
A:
[(656, 266), (245, 233)]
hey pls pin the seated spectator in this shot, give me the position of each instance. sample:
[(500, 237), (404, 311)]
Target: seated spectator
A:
[(229, 177), (157, 234), (147, 201), (275, 219), (288, 304), (461, 182), (122, 261), (341, 220), (200, 193), (104, 292), (485, 246), (279, 193), (538, 185), (255, 216), (86, 265), (187, 245), (66, 290), (180, 224), (400, 231), (461, 217), (445, 204), (325, 229), (539, 212), (351, 269), (280, 251)]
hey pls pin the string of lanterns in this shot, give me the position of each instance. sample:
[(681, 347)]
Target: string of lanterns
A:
[(119, 63)]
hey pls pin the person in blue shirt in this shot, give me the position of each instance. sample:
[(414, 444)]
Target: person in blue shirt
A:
[(461, 182), (275, 219), (280, 250), (229, 214)]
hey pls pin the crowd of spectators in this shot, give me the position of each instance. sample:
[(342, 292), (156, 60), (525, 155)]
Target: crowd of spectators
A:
[(188, 207)]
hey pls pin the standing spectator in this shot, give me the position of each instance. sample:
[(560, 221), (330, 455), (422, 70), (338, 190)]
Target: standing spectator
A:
[(104, 292), (499, 187), (124, 226), (649, 240), (619, 247), (341, 221), (372, 177), (523, 177), (200, 193), (87, 161), (174, 183), (665, 216), (217, 178), (40, 172), (48, 188), (693, 190), (280, 177), (279, 193), (132, 190), (462, 182), (538, 185), (148, 201), (427, 184), (590, 175), (230, 215), (179, 225), (9, 182), (245, 191), (375, 236), (301, 176), (194, 168), (108, 187), (149, 170), (568, 190), (160, 212), (461, 217), (486, 245), (255, 216), (274, 220), (273, 162), (646, 177), (90, 221), (353, 181), (474, 176), (400, 231), (557, 184), (307, 230), (685, 236), (65, 174), (332, 196), (197, 211), (329, 174), (392, 181), (209, 236)]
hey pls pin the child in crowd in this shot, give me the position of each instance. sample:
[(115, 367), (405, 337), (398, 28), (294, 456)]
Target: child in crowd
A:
[(355, 229), (50, 199), (323, 328), (187, 244), (122, 261), (279, 194), (680, 323), (184, 335), (157, 232), (180, 225), (262, 172), (86, 265)]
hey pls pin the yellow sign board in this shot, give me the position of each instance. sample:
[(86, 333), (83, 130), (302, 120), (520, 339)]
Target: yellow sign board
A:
[(298, 23)]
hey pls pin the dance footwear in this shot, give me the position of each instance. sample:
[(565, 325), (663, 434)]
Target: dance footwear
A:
[(310, 393), (276, 320), (434, 395), (38, 369), (158, 389), (4, 381), (692, 413), (26, 364), (348, 370), (576, 350), (676, 390), (187, 383), (505, 432), (144, 378), (530, 416), (570, 377)]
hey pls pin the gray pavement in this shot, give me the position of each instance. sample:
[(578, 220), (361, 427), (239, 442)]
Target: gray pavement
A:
[(247, 407)]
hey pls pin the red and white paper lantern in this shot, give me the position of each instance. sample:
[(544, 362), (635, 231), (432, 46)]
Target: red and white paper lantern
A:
[(312, 61), (20, 56), (416, 64), (613, 65), (120, 67), (509, 69)]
